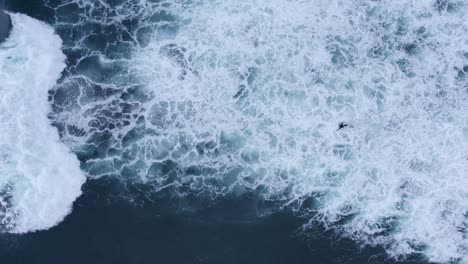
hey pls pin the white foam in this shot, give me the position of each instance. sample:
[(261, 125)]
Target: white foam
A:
[(40, 178), (249, 95), (399, 176)]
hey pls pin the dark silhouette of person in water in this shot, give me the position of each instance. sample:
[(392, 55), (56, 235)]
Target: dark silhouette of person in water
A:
[(343, 125)]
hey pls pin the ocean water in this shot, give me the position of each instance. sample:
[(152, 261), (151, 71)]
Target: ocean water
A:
[(169, 230), (210, 131)]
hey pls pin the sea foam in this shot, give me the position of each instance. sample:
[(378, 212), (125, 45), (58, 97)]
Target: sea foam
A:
[(227, 97), (267, 83), (39, 177)]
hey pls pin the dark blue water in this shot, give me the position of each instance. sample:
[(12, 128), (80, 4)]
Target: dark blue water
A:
[(106, 229)]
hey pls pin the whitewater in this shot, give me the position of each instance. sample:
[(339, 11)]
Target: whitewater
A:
[(39, 177), (262, 86), (223, 98)]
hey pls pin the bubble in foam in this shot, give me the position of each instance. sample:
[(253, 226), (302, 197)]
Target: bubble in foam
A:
[(39, 177)]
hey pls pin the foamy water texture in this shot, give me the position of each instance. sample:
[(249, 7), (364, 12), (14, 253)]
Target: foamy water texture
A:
[(226, 97), (39, 177)]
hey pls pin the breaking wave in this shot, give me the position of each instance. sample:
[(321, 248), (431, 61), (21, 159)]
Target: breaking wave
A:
[(39, 177)]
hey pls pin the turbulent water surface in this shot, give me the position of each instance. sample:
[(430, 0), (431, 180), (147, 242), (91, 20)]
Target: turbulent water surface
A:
[(214, 101)]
